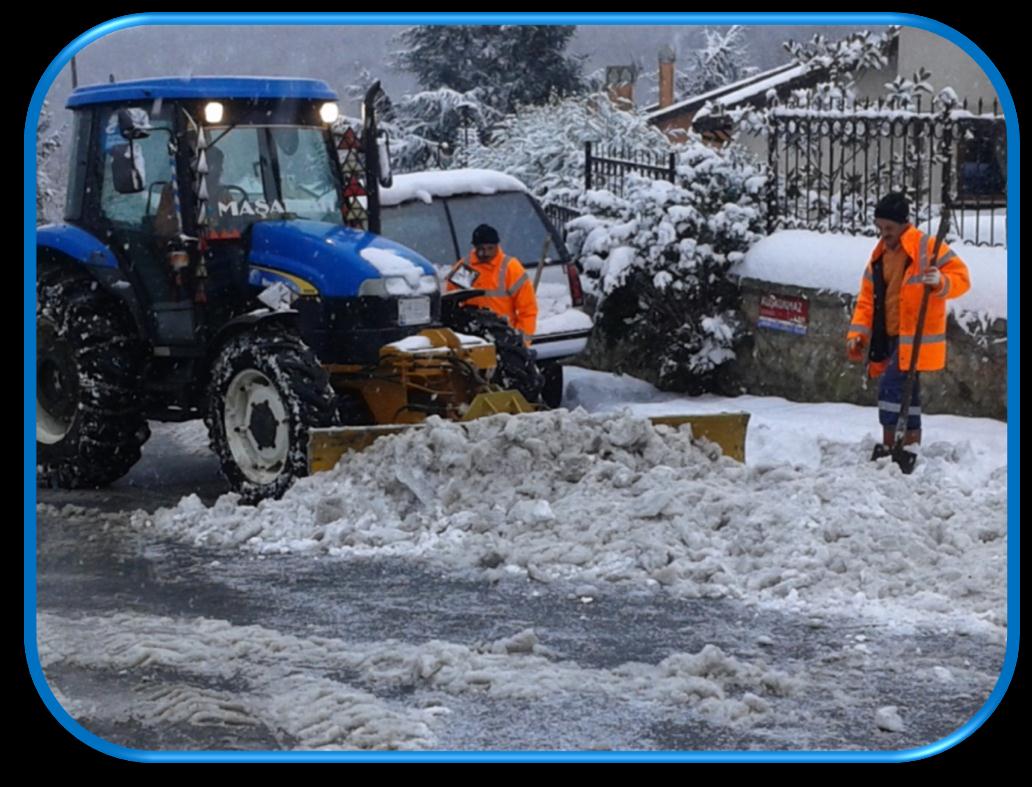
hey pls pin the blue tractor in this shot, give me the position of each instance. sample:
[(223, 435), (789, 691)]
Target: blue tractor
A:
[(220, 259)]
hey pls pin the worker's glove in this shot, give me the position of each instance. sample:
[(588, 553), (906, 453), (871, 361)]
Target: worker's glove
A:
[(932, 278), (855, 349)]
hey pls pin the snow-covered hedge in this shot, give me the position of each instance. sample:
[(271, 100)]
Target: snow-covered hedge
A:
[(658, 258), (544, 145)]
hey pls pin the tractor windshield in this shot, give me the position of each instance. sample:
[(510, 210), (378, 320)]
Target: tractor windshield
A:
[(270, 172)]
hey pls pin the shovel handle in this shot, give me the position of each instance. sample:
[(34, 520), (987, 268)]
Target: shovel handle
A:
[(908, 386)]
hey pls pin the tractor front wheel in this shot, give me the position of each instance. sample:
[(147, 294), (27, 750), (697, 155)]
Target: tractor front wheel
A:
[(267, 390)]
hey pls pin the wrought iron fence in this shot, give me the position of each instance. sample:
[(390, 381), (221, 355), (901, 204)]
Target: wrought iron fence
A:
[(560, 211), (608, 168), (831, 161)]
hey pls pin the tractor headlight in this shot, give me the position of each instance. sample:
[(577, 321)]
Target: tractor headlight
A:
[(213, 111), (329, 112)]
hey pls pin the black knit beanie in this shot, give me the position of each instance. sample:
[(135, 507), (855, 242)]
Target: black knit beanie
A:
[(893, 207), (485, 233)]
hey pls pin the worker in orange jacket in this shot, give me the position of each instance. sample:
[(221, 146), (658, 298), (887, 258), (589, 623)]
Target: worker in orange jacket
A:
[(509, 291), (885, 319)]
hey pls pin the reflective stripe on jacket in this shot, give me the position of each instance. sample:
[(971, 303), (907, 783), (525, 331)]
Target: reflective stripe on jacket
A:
[(509, 291), (955, 282)]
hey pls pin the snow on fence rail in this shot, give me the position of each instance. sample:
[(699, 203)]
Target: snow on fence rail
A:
[(831, 161)]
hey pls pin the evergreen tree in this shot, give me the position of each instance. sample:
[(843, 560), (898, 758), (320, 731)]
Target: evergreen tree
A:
[(544, 145), (437, 124), (509, 64)]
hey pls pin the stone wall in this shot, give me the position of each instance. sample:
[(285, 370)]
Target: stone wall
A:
[(813, 368)]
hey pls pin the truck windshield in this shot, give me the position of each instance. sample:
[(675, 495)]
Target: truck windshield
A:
[(519, 226), (259, 172), (425, 227)]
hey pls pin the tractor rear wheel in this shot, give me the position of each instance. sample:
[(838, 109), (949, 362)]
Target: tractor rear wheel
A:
[(267, 390), (517, 369), (89, 418)]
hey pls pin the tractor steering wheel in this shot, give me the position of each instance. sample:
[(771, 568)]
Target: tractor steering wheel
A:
[(230, 187), (315, 195)]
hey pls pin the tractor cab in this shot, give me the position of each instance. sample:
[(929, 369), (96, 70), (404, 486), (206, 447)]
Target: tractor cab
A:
[(195, 187)]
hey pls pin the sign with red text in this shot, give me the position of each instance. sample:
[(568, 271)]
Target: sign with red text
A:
[(784, 313)]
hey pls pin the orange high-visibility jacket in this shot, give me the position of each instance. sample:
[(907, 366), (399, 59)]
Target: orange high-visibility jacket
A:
[(509, 291), (955, 282)]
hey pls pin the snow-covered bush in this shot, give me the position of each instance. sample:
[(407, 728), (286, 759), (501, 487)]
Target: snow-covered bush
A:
[(658, 257), (544, 145), (845, 58)]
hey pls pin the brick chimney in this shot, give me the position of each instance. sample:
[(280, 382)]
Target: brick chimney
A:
[(620, 85), (666, 76)]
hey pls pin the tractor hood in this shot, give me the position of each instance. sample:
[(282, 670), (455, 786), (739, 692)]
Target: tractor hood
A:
[(335, 261)]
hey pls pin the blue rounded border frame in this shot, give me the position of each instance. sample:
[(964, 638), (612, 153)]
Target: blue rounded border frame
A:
[(358, 19)]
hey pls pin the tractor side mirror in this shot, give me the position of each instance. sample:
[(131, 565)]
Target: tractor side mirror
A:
[(133, 123), (127, 169)]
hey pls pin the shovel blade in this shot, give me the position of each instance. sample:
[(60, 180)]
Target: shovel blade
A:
[(900, 456), (905, 459), (881, 451)]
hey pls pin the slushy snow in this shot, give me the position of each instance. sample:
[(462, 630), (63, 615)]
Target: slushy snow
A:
[(608, 498)]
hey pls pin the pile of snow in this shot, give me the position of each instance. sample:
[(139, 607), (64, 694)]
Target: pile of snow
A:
[(425, 186), (608, 498), (824, 261)]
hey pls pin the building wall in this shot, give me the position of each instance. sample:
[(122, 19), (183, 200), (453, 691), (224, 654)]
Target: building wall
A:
[(682, 122), (813, 367), (950, 66)]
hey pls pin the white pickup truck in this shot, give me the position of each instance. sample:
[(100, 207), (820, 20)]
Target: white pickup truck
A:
[(435, 212)]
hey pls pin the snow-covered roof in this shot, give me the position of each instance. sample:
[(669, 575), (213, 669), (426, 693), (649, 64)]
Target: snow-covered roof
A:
[(757, 88), (425, 186), (741, 90)]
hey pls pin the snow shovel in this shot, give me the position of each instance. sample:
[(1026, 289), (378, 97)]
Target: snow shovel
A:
[(907, 459)]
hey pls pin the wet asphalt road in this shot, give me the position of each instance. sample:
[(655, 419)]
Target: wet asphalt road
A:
[(89, 562)]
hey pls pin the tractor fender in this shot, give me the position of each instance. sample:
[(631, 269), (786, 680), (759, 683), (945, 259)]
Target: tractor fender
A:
[(77, 244), (245, 322), (64, 245)]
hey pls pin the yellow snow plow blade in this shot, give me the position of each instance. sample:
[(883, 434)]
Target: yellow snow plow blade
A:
[(327, 446), (725, 429), (497, 402)]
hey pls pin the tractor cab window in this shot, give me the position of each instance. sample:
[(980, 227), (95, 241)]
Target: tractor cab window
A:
[(151, 160), (270, 172)]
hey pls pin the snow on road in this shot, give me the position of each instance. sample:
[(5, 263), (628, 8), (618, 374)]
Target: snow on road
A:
[(881, 569), (598, 496), (290, 691)]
